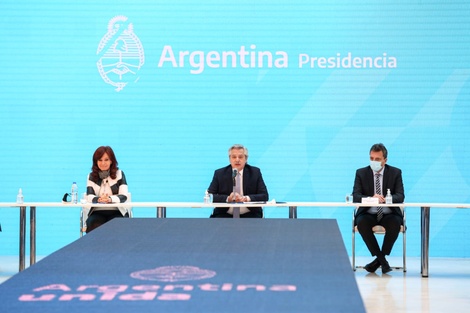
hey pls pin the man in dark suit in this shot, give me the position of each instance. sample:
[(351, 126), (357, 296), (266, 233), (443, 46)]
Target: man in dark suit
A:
[(374, 181), (250, 181)]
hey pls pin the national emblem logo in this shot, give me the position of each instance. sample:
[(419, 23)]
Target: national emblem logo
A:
[(121, 54)]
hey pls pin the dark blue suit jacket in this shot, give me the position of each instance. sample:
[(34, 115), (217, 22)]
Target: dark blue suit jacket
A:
[(364, 186), (253, 186)]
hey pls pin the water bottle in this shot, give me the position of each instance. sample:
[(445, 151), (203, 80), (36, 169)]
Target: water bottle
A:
[(19, 197), (207, 197), (388, 197), (74, 192)]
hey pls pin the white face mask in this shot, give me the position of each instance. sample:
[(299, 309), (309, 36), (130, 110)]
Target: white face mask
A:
[(375, 165)]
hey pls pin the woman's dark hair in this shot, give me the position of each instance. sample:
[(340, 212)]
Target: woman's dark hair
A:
[(97, 155)]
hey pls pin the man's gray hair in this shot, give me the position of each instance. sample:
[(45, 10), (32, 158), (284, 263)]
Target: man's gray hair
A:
[(238, 146)]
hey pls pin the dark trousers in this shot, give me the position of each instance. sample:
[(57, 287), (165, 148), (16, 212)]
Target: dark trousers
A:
[(391, 223), (98, 218)]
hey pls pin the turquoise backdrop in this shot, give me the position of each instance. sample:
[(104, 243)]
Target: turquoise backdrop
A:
[(308, 87)]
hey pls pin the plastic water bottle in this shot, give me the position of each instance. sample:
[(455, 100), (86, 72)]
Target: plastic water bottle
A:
[(19, 197), (207, 198), (74, 192), (388, 197)]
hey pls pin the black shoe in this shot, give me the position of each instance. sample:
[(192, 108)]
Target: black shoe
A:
[(385, 267), (372, 266)]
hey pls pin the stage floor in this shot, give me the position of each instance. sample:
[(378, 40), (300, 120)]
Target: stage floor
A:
[(193, 265)]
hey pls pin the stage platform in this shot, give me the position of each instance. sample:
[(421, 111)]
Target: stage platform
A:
[(193, 265)]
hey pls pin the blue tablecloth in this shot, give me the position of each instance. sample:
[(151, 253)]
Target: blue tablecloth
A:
[(193, 265)]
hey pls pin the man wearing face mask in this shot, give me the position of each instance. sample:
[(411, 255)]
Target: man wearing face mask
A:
[(373, 181)]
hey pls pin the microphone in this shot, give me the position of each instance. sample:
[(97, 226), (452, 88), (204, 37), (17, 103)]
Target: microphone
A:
[(234, 174)]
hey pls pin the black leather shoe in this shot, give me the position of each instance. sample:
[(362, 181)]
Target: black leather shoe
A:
[(372, 266), (386, 267)]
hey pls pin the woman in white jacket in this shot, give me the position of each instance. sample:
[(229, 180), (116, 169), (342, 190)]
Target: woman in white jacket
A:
[(106, 184)]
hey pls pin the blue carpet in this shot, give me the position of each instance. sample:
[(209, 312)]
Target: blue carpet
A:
[(193, 265)]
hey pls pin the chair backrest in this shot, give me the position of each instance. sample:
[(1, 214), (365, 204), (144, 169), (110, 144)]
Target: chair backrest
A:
[(129, 199)]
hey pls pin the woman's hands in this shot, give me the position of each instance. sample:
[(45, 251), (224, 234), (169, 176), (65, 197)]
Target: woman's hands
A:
[(104, 198)]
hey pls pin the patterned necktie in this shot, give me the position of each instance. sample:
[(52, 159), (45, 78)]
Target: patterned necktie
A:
[(378, 190)]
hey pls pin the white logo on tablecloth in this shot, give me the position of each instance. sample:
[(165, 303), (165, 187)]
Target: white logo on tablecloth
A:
[(121, 54), (169, 290), (174, 273)]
